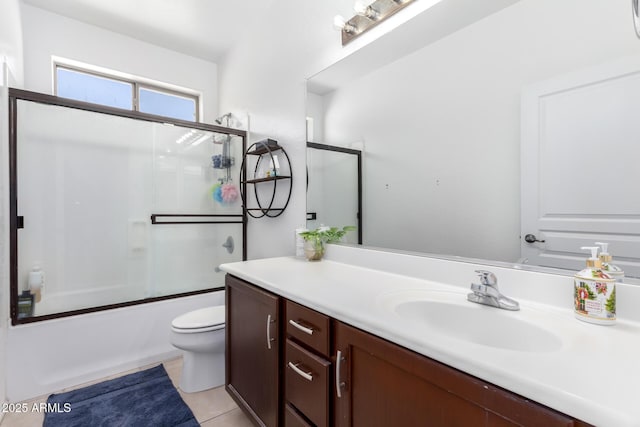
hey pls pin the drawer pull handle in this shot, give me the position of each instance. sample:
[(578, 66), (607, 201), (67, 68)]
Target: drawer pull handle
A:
[(269, 339), (306, 375), (302, 328), (339, 385)]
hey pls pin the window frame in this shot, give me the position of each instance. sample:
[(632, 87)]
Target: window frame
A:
[(136, 86)]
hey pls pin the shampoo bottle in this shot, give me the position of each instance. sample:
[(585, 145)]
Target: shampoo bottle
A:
[(612, 270), (594, 292), (36, 282), (299, 241)]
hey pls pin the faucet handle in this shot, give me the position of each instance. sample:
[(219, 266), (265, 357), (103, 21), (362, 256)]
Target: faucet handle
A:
[(487, 278)]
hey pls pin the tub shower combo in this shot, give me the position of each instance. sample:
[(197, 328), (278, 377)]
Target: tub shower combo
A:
[(111, 208)]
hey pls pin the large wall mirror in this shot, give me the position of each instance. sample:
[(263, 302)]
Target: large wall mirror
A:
[(521, 123)]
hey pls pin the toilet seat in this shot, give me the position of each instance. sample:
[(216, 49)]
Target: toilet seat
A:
[(202, 320)]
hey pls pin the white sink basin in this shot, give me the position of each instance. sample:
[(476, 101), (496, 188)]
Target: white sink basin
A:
[(450, 314)]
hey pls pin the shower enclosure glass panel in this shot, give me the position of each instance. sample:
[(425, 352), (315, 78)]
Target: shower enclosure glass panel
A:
[(188, 168), (179, 265), (84, 181), (117, 209)]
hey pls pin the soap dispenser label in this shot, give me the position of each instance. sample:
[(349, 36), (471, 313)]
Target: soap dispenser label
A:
[(595, 301)]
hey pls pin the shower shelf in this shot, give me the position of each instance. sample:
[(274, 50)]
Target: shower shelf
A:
[(267, 179), (264, 151)]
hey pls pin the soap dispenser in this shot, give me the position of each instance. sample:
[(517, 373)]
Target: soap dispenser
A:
[(594, 292), (612, 270)]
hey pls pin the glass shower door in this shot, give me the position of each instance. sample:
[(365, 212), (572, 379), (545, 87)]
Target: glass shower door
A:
[(115, 209), (83, 182), (196, 202)]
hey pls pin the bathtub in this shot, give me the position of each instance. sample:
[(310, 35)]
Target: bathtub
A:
[(46, 357)]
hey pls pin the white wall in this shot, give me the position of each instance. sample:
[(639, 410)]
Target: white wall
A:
[(442, 125), (47, 34), (11, 73), (265, 75)]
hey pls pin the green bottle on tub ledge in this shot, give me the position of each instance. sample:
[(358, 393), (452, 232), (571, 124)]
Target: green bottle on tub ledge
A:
[(314, 240)]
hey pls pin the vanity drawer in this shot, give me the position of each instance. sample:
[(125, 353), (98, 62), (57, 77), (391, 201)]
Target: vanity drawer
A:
[(307, 383), (308, 326), (293, 419)]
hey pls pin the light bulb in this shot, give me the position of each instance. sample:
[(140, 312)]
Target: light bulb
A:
[(363, 9), (339, 23), (360, 8)]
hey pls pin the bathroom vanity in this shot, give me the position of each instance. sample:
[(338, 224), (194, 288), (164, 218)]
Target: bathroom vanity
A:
[(340, 343)]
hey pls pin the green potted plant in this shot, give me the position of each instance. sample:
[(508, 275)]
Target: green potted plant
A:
[(314, 240)]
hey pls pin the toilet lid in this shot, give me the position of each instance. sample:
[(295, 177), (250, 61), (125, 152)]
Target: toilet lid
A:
[(202, 318)]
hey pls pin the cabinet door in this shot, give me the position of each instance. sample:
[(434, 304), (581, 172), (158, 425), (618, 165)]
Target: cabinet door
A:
[(382, 384), (253, 350)]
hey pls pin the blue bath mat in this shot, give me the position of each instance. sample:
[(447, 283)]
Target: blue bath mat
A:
[(145, 398)]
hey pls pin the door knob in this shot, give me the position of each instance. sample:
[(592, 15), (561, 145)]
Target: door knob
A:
[(531, 238)]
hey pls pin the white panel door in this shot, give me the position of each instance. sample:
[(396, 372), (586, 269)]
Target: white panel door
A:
[(580, 159)]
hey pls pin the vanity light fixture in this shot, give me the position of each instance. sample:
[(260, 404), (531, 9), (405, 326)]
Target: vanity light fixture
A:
[(363, 9), (339, 23), (368, 15)]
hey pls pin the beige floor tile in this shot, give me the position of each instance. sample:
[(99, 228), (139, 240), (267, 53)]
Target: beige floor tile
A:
[(233, 418), (205, 405), (25, 419), (174, 370), (209, 404)]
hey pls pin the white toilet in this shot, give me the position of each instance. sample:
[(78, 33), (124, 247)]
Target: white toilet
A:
[(200, 334)]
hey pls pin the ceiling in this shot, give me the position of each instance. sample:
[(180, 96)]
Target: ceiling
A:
[(205, 29)]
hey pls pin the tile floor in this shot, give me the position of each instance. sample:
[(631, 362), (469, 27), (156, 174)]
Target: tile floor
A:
[(212, 408)]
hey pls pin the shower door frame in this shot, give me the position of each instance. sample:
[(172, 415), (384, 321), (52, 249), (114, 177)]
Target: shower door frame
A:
[(16, 222), (344, 150)]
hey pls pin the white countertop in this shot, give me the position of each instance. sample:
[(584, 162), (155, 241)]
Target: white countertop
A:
[(593, 376)]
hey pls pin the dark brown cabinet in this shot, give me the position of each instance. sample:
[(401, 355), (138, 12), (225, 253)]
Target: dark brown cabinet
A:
[(382, 384), (327, 373), (253, 350)]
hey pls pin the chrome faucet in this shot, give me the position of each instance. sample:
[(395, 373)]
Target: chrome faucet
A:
[(487, 292)]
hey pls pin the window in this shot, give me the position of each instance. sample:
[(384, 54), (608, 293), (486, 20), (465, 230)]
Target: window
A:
[(112, 91), (155, 101), (93, 88)]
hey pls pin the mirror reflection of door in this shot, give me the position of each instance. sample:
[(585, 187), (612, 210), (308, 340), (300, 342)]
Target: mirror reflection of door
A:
[(579, 153), (334, 188)]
